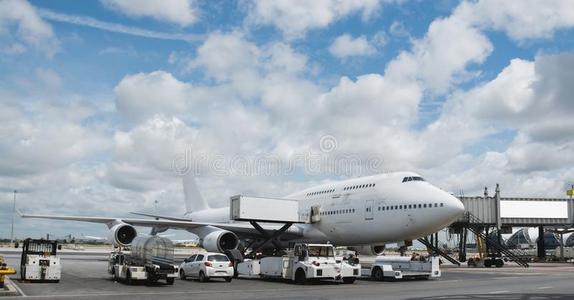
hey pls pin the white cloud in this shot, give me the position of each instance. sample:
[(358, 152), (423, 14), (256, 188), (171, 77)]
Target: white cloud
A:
[(294, 18), (143, 157), (520, 19), (141, 96), (39, 135), (345, 46), (181, 12), (31, 30), (530, 98)]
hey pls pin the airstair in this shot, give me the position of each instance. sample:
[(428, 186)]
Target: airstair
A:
[(475, 225), (438, 251)]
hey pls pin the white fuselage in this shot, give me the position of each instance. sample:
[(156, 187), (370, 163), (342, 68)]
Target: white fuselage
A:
[(368, 210)]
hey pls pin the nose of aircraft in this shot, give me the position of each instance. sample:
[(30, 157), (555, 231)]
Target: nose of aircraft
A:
[(454, 206)]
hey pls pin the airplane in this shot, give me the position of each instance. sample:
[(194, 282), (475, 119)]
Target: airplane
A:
[(369, 212)]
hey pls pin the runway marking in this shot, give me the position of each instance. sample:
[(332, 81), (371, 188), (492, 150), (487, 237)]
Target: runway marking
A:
[(169, 293), (498, 292), (544, 287), (18, 288)]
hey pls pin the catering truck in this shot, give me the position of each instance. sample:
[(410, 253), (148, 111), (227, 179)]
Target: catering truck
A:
[(303, 263), (150, 259)]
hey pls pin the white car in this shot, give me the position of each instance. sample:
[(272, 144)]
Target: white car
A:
[(205, 266)]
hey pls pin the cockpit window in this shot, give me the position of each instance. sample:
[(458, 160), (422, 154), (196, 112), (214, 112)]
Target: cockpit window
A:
[(413, 178)]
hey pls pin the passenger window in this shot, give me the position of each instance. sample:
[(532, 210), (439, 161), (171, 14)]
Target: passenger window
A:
[(425, 205), (442, 204), (199, 257), (420, 205)]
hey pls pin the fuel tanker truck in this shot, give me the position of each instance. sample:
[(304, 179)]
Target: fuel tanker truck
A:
[(150, 259)]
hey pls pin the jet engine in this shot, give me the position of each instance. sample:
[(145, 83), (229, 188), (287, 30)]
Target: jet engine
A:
[(122, 234), (219, 241), (369, 250)]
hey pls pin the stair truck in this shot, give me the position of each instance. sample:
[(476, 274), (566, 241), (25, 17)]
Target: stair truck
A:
[(151, 259), (403, 267), (303, 263), (39, 261)]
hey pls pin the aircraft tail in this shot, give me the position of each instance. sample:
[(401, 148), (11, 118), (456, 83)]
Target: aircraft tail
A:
[(193, 199)]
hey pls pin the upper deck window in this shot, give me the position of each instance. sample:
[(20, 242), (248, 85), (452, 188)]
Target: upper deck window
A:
[(413, 178)]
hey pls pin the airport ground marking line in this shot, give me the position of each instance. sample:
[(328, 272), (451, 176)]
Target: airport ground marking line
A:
[(169, 293), (544, 287), (18, 288), (498, 292)]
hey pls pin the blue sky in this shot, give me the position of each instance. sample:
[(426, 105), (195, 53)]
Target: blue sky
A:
[(101, 97)]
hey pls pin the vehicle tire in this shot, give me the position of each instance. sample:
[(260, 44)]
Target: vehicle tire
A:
[(349, 280), (228, 279), (488, 263), (114, 276), (499, 263), (181, 275), (300, 277), (170, 280), (377, 274), (152, 279), (129, 277), (202, 277)]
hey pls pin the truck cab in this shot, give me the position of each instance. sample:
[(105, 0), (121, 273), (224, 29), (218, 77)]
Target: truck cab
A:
[(317, 261)]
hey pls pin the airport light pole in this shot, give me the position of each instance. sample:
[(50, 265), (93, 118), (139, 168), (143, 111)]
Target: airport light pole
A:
[(13, 213)]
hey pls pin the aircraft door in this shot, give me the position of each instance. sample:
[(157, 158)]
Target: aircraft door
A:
[(369, 209)]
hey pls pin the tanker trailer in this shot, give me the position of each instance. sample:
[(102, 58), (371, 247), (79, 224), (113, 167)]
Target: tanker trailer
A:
[(150, 259)]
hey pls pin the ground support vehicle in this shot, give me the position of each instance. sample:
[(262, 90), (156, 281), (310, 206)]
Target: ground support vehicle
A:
[(150, 260), (402, 267), (39, 261), (303, 263)]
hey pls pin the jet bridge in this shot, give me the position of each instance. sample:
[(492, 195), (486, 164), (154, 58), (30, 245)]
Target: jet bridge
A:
[(256, 210), (495, 215)]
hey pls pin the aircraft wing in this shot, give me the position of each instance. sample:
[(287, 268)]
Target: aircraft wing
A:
[(241, 229)]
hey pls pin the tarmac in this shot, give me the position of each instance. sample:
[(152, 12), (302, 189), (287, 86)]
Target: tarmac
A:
[(86, 277)]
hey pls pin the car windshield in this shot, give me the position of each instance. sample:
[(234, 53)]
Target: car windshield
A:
[(217, 258), (320, 251)]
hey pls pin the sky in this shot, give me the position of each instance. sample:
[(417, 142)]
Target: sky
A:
[(105, 104)]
